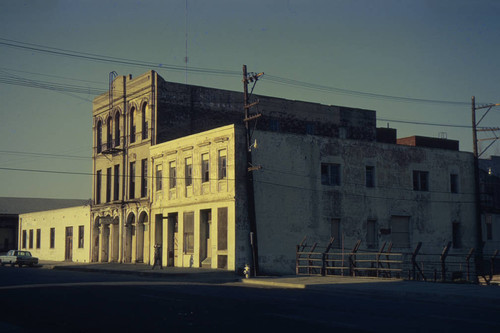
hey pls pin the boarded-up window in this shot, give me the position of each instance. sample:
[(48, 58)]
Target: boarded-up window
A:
[(189, 232), (108, 184), (222, 228), (98, 187), (370, 176), (453, 183), (400, 230), (52, 237), (31, 239), (116, 189), (144, 178), (132, 181), (371, 234), (24, 238), (38, 238), (335, 232)]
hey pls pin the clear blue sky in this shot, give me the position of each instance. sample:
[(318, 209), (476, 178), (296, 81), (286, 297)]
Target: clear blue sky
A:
[(445, 50)]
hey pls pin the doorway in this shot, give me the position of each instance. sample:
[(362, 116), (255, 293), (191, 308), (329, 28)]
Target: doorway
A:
[(205, 242), (172, 230)]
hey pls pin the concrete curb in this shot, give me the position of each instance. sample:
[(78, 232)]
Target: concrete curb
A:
[(277, 284)]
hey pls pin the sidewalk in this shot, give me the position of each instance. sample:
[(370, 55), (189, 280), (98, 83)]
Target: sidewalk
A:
[(377, 287), (186, 274)]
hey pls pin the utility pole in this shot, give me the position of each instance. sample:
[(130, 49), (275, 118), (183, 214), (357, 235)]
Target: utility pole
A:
[(250, 168), (477, 189)]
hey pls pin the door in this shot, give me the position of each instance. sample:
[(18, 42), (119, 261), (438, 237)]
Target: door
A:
[(172, 250), (69, 244)]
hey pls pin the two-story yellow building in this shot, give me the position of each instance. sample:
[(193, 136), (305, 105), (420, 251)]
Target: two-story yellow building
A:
[(193, 199)]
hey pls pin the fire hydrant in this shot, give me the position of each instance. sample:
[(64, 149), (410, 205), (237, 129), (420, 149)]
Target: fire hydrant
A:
[(246, 271)]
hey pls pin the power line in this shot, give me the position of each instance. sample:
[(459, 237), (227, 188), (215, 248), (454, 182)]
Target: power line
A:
[(201, 70), (322, 189), (14, 152)]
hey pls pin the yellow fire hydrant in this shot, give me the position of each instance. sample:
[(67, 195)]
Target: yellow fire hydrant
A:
[(246, 271)]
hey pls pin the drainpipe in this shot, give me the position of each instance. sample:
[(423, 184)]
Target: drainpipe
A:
[(124, 168)]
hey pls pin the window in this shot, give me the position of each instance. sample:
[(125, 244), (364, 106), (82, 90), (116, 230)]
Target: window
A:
[(205, 168), (25, 236), (81, 230), (188, 171), (489, 227), (116, 188), (420, 180), (371, 233), (335, 232), (144, 122), (222, 172), (131, 193), (38, 238), (370, 176), (222, 228), (274, 125), (455, 235), (330, 174), (158, 174), (52, 237), (310, 128), (400, 229), (189, 232), (108, 185), (172, 175), (109, 133), (453, 183), (117, 129), (132, 125), (144, 178), (99, 137), (98, 187)]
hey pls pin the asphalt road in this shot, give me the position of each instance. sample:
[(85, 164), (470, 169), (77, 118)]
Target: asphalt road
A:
[(41, 300)]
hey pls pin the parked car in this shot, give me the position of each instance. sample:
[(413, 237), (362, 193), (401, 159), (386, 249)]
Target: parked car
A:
[(18, 257)]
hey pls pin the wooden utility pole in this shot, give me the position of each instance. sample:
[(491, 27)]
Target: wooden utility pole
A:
[(479, 230), (477, 195), (249, 169)]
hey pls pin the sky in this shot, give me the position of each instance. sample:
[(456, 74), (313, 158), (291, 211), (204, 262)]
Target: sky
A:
[(417, 63)]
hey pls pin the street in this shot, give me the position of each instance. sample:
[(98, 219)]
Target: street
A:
[(42, 300)]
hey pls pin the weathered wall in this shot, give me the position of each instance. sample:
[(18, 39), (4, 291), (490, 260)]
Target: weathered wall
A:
[(185, 109), (292, 202), (59, 219)]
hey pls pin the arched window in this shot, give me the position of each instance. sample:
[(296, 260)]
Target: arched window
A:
[(109, 133), (132, 125), (99, 137), (144, 122), (117, 129)]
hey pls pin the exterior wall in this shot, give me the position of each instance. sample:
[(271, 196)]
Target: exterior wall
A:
[(120, 217), (292, 202), (207, 198), (65, 247), (186, 109)]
